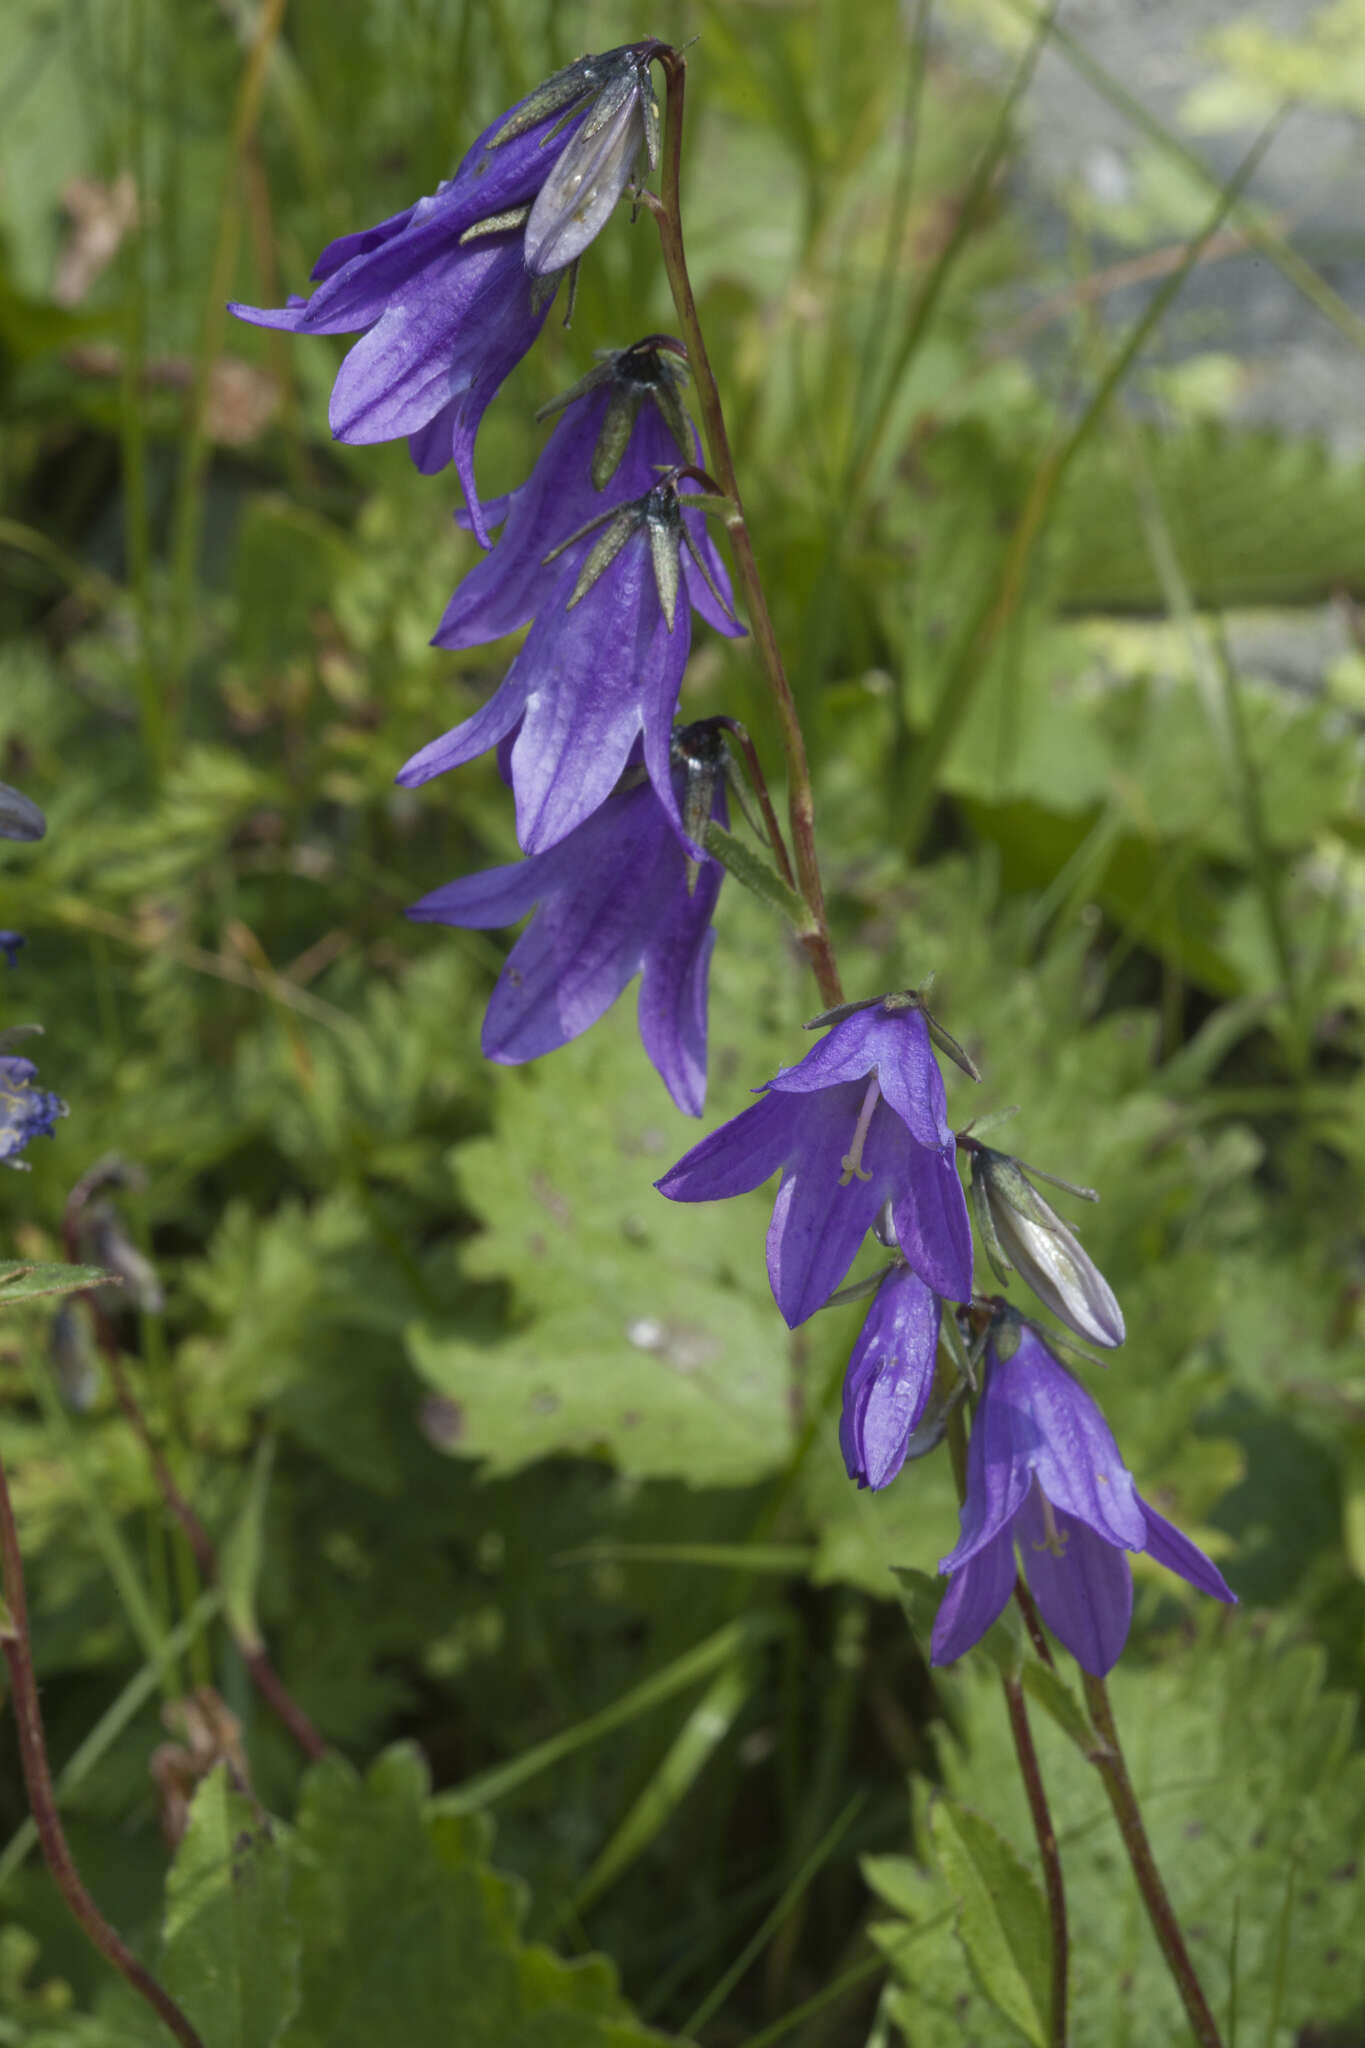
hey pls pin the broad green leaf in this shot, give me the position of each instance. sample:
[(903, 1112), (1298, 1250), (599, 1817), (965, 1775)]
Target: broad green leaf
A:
[(1002, 1917), (409, 1936), (230, 1951)]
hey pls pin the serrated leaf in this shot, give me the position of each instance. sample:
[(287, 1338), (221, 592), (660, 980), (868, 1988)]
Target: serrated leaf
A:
[(21, 1281), (1002, 1916), (409, 1936)]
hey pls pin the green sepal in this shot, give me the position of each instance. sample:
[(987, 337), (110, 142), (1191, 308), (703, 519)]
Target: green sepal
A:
[(752, 872)]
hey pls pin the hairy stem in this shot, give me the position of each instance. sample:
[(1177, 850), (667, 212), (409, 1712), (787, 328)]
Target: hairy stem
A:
[(42, 1799), (1123, 1799), (667, 211)]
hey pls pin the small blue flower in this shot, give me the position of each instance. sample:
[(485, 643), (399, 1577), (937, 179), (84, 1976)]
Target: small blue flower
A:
[(1044, 1471), (10, 942), (26, 1112), (443, 293), (601, 667), (616, 898), (889, 1378), (861, 1122)]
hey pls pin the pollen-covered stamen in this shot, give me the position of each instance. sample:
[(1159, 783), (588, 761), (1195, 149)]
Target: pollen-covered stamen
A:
[(1053, 1539), (852, 1161)]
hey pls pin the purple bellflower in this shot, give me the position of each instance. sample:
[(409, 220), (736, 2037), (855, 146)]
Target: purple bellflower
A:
[(889, 1378), (620, 426), (601, 667), (616, 898), (445, 295), (10, 942), (1043, 1470), (26, 1112), (860, 1122)]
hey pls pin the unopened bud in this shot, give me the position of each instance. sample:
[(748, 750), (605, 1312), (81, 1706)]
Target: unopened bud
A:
[(111, 1246), (1023, 1233), (71, 1349)]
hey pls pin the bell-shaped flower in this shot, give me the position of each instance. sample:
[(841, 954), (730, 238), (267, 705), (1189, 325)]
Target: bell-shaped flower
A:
[(602, 666), (859, 1123), (1021, 1232), (10, 943), (889, 1378), (441, 293), (1044, 1472), (618, 429), (616, 898), (26, 1112)]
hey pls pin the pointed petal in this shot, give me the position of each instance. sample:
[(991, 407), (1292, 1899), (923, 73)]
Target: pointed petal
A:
[(481, 902), (931, 1222), (737, 1157), (677, 957), (703, 599), (974, 1600), (1060, 1432), (998, 1481), (1169, 1547), (909, 1073), (1086, 1595), (661, 660), (466, 742), (843, 1054), (818, 1224)]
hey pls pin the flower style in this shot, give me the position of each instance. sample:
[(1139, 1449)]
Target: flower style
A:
[(889, 1378), (1043, 1470), (601, 666), (619, 427), (860, 1122), (616, 898), (445, 294), (26, 1112)]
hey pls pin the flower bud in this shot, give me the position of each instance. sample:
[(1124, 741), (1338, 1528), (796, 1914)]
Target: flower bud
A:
[(19, 818), (1021, 1232)]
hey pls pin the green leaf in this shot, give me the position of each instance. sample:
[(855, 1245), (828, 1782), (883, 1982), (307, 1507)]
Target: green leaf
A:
[(229, 1951), (409, 1936), (641, 1329), (1002, 1917), (23, 1281)]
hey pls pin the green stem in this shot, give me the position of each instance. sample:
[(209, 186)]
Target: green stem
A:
[(1127, 1813), (14, 1639), (667, 211)]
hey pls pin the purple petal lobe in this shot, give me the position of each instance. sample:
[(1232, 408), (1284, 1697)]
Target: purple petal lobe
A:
[(822, 1214), (974, 1600), (1084, 1591), (738, 1157), (466, 742), (1169, 1547), (1059, 1433), (929, 1212)]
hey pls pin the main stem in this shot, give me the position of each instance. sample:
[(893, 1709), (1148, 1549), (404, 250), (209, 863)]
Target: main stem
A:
[(1161, 1913), (801, 809), (42, 1798)]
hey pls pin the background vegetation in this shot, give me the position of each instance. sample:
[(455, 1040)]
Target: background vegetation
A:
[(507, 1460)]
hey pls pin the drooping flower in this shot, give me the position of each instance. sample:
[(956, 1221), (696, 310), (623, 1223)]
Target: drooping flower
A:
[(1021, 1231), (1044, 1471), (26, 1112), (10, 942), (616, 898), (889, 1378), (442, 294), (618, 429), (601, 667), (860, 1122)]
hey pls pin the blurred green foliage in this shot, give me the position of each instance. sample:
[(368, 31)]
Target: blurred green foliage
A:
[(550, 1491)]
